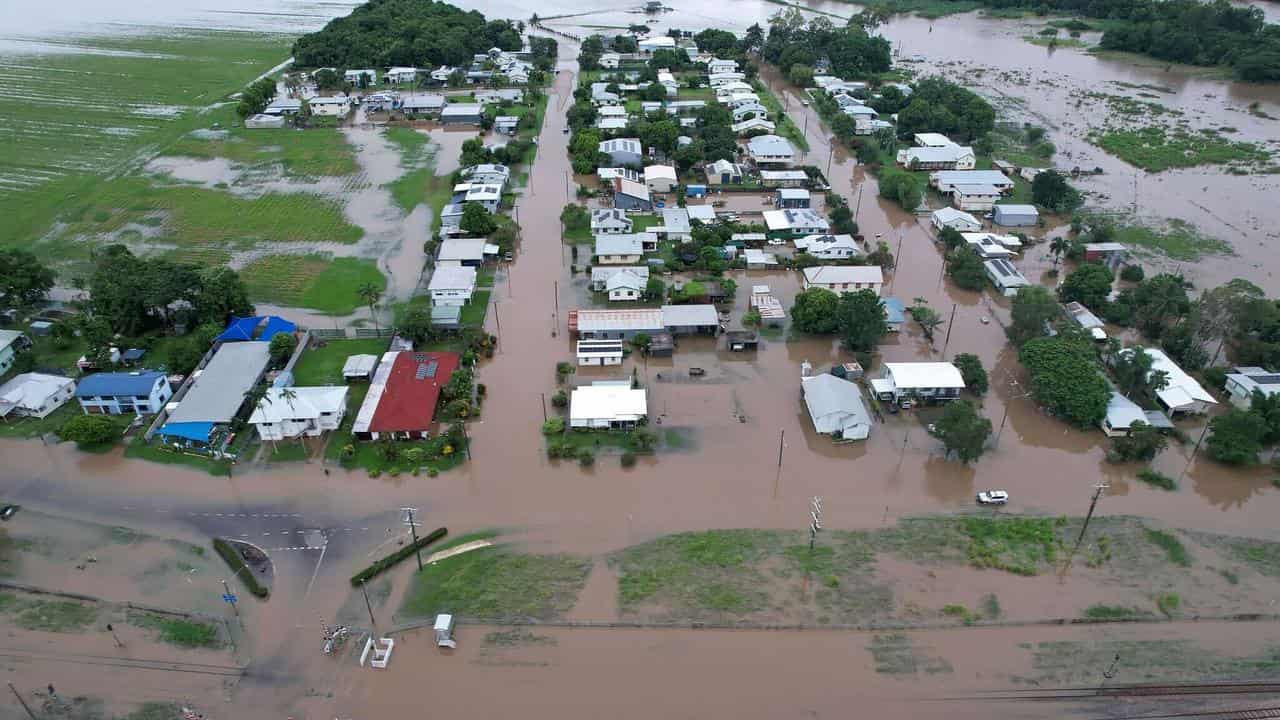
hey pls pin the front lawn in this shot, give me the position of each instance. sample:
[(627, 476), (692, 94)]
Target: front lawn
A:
[(323, 365)]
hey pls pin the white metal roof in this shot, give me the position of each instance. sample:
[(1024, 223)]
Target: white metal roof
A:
[(461, 249), (929, 139), (306, 403), (924, 375), (620, 244), (835, 405), (602, 273), (844, 274), (220, 389), (616, 402), (770, 146), (620, 320), (30, 391), (1182, 388), (359, 365), (798, 218), (8, 337), (949, 214), (626, 279), (701, 213), (453, 277), (659, 172), (689, 315)]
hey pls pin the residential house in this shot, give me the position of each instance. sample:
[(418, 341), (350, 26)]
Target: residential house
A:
[(1123, 415), (733, 87), (1182, 394), (758, 259), (34, 394), (753, 125), (615, 324), (425, 105), (987, 246), (470, 252), (137, 393), (622, 151), (947, 180), (284, 106), (608, 174), (718, 66), (262, 121), (628, 195), (691, 319), (835, 407), (829, 247), (947, 157), (771, 150), (611, 123), (723, 172), (610, 221), (286, 413), (462, 114), (600, 276), (1243, 382), (506, 124), (918, 381), (401, 402), (791, 198), (359, 367), (1111, 254), (356, 76), (715, 80), (624, 249), (974, 197), (214, 399), (12, 342), (745, 239), (684, 107), (627, 285), (599, 353), (397, 75), (1005, 276), (955, 219), (796, 222), (657, 42), (610, 60), (932, 140), (487, 174), (844, 278), (746, 111), (612, 111), (783, 178), (675, 225), (1086, 319), (487, 196), (705, 214), (608, 404), (660, 178), (497, 97), (442, 74), (452, 284), (601, 96), (334, 106), (668, 82), (1015, 215), (895, 313)]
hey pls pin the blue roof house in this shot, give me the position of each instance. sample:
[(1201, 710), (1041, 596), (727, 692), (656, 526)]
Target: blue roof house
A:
[(139, 393)]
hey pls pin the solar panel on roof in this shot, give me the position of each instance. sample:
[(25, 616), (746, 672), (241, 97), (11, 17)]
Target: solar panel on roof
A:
[(1266, 379), (431, 368)]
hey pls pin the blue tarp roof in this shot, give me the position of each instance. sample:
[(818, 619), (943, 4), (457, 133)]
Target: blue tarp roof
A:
[(113, 384), (894, 310), (198, 431), (243, 329)]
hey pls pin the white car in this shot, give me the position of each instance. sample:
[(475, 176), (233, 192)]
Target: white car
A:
[(993, 497), (777, 241)]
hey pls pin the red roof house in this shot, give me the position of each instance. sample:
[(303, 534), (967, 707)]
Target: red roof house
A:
[(402, 396)]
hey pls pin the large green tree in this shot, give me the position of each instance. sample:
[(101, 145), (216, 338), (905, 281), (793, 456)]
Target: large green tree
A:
[(816, 311), (90, 430), (1032, 309), (476, 220), (965, 268), (1065, 379), (1050, 189), (1236, 437), (23, 278), (1089, 285), (861, 320), (962, 430)]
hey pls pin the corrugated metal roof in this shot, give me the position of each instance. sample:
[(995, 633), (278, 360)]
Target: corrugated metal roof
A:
[(113, 384)]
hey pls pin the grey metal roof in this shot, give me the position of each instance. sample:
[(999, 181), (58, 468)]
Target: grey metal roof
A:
[(216, 395), (689, 315), (835, 405)]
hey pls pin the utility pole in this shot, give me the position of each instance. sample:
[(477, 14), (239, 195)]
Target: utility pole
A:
[(229, 598), (114, 636), (815, 520), (497, 324), (782, 433), (950, 323), (22, 702), (1097, 493), (413, 530), (555, 298), (368, 605), (466, 440), (857, 208), (544, 406), (1195, 450), (830, 151)]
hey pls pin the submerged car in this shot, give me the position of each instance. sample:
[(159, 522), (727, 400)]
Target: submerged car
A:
[(993, 497)]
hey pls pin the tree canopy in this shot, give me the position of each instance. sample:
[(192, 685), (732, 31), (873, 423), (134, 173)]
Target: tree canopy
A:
[(133, 294), (1032, 308), (1050, 189), (962, 430), (23, 278), (1089, 285), (816, 311), (1065, 379), (861, 320), (940, 106), (851, 51)]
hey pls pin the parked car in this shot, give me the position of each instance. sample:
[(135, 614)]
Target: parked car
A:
[(993, 497), (777, 241)]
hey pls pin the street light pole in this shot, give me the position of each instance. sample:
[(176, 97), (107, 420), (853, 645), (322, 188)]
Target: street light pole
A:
[(368, 605), (227, 594), (413, 530)]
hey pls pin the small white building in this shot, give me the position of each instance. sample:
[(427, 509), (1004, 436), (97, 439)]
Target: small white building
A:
[(947, 157), (285, 413), (600, 275), (660, 178), (802, 221), (1182, 394), (980, 198), (1015, 215), (452, 284), (359, 367), (599, 352), (35, 394), (334, 106), (404, 75), (1243, 382), (934, 381), (758, 259), (987, 246), (464, 251), (929, 139), (947, 180), (829, 247), (262, 121), (610, 60), (608, 404), (1005, 276), (626, 285), (354, 76), (844, 278), (955, 219), (610, 221), (717, 66), (657, 42), (751, 125)]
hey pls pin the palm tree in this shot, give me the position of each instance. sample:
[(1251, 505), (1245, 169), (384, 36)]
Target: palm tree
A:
[(370, 294), (1058, 247), (288, 394)]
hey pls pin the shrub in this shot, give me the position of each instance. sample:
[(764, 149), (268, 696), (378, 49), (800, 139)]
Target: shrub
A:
[(1157, 479), (90, 430), (432, 472), (586, 457), (1132, 273), (628, 459), (385, 563), (1168, 603), (553, 426), (238, 567), (560, 400)]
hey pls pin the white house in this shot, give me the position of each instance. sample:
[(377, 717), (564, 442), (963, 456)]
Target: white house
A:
[(752, 125), (610, 221), (487, 174), (1122, 414), (955, 219), (11, 343), (623, 249), (657, 42), (947, 180), (758, 259), (354, 76), (934, 381), (442, 73), (717, 66), (601, 96), (335, 106), (1243, 382), (489, 196), (1182, 394), (987, 246), (405, 74), (947, 157), (285, 413), (464, 251), (35, 394), (724, 78), (771, 150), (660, 178), (1005, 276), (974, 197), (452, 284), (607, 404), (610, 60), (723, 172), (835, 407), (136, 393), (1015, 215), (929, 139), (844, 278), (626, 285), (600, 275), (829, 247), (599, 352), (668, 82), (802, 221)]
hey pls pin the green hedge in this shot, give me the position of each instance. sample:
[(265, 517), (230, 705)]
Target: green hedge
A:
[(238, 566), (387, 562)]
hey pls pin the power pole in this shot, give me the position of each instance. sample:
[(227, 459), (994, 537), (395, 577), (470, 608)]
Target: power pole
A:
[(22, 702), (368, 605), (544, 406), (413, 530), (229, 598), (114, 636), (1194, 451), (1097, 493), (782, 434), (815, 520), (950, 323)]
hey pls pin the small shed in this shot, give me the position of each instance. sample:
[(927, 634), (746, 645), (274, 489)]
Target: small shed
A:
[(359, 367), (661, 345), (462, 114), (742, 340), (1015, 215), (448, 317), (792, 198)]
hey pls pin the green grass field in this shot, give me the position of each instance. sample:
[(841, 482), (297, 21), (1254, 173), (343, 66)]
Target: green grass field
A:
[(1155, 149), (302, 153), (323, 365), (311, 281), (498, 583)]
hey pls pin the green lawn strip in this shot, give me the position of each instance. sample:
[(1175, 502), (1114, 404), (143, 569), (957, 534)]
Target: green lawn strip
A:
[(419, 186), (189, 215), (1068, 662), (311, 281), (60, 616), (323, 365), (484, 276), (1171, 545), (432, 455), (177, 631), (1154, 148), (640, 223), (158, 452), (30, 427), (786, 128), (498, 583), (895, 654), (1261, 556), (473, 312), (231, 556), (579, 235), (1114, 612), (288, 451)]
